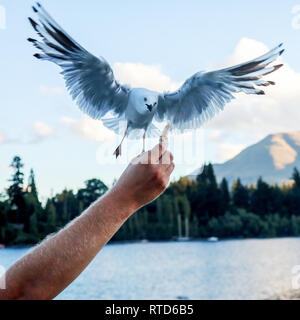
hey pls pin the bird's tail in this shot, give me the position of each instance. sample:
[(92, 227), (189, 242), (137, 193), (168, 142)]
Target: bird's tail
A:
[(115, 124)]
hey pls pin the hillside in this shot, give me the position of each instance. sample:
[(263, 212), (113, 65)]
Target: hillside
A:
[(273, 158)]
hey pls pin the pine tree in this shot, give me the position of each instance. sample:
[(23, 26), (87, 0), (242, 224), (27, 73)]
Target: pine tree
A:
[(186, 209), (34, 229), (32, 196), (94, 189), (178, 217), (51, 216), (208, 200), (32, 214), (144, 224), (31, 184), (15, 192), (296, 178), (167, 220), (208, 176), (159, 209), (225, 195), (260, 202), (240, 195), (3, 219), (294, 195)]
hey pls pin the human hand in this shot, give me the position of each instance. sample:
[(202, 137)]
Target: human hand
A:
[(146, 178)]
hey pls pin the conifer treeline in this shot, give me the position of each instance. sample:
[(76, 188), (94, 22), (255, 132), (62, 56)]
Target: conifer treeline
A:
[(199, 208)]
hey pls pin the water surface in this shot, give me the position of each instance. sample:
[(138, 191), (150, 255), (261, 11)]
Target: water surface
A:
[(238, 269)]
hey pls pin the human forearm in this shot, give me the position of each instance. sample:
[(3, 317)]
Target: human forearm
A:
[(52, 266)]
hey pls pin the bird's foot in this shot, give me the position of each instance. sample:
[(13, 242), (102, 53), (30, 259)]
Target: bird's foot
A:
[(118, 152), (164, 136)]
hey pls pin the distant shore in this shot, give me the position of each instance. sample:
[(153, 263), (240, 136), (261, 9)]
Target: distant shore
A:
[(168, 241)]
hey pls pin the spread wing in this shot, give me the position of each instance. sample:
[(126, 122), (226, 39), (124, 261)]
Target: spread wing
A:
[(89, 80), (206, 93)]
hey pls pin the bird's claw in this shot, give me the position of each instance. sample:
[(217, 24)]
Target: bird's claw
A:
[(118, 152)]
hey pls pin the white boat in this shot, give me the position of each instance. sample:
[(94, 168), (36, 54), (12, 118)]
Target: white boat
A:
[(213, 239)]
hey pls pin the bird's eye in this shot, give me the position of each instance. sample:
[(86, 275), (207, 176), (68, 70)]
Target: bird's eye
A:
[(145, 99), (155, 104)]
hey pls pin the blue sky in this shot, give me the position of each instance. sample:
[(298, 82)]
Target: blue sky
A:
[(39, 121)]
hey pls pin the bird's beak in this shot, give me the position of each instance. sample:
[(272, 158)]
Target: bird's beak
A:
[(149, 107)]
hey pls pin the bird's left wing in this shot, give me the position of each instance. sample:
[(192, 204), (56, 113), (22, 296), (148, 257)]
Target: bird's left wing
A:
[(90, 80), (206, 93)]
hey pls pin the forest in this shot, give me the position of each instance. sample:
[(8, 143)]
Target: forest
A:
[(190, 208)]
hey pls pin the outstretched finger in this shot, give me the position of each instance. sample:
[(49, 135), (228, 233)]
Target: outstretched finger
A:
[(158, 151), (165, 133), (167, 158)]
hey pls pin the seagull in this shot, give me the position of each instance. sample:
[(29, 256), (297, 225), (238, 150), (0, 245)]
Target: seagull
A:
[(92, 85)]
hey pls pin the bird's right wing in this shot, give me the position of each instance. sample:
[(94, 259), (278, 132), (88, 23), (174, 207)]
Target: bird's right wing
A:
[(206, 93), (89, 80)]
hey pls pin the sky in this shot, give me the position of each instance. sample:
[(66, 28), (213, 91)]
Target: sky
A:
[(155, 44)]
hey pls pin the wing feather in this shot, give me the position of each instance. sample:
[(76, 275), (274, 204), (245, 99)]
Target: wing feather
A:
[(205, 94), (90, 80)]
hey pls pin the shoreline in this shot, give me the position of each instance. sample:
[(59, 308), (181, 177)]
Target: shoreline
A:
[(166, 241)]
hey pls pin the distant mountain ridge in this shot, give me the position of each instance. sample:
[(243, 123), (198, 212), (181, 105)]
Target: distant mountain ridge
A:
[(273, 159)]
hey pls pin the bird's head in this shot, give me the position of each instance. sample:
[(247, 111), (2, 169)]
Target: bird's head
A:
[(145, 101)]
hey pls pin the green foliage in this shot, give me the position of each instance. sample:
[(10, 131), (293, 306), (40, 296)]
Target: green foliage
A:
[(225, 195), (93, 190), (189, 208), (240, 195)]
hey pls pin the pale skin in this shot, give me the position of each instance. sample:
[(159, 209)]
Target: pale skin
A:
[(53, 265)]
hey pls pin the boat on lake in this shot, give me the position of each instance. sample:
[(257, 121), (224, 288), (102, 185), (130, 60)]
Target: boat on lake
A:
[(213, 239)]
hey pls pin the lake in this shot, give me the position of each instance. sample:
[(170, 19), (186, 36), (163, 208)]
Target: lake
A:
[(237, 269)]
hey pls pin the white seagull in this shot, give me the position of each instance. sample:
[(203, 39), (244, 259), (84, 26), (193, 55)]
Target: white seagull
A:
[(91, 83)]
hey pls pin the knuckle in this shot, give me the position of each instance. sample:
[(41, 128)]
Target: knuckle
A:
[(162, 183), (170, 157), (156, 174), (159, 179)]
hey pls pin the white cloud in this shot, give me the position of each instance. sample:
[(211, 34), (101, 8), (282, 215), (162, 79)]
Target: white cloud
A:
[(261, 115), (88, 129), (42, 130), (141, 75), (3, 167), (38, 132), (48, 91), (220, 141), (250, 118), (247, 49), (2, 138)]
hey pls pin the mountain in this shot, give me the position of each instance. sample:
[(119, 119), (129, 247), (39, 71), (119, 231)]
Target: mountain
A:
[(273, 159)]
